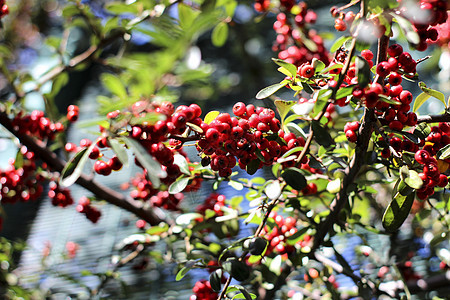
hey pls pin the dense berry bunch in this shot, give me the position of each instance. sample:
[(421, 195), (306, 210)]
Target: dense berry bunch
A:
[(248, 138), (84, 206), (429, 14), (277, 236), (59, 196), (21, 183), (203, 291), (295, 42), (37, 125)]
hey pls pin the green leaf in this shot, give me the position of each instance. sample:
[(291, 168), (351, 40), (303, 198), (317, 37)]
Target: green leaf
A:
[(413, 180), (219, 34), (182, 273), (397, 211), (283, 107), (321, 134), (273, 190), (288, 66), (18, 161), (211, 116), (153, 167), (306, 87), (411, 35), (344, 92), (186, 15), (295, 178), (215, 279), (433, 93), (253, 166), (420, 100), (339, 42), (410, 136), (178, 185), (114, 85), (182, 163), (296, 237), (119, 150), (444, 152), (389, 100), (60, 81), (270, 90), (422, 130), (362, 71), (74, 167), (237, 269)]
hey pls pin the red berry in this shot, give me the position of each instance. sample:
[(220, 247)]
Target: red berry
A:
[(367, 54)]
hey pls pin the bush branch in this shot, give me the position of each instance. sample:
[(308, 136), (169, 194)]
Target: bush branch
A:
[(57, 164)]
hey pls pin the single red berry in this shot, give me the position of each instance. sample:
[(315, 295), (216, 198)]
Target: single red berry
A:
[(395, 50), (367, 54), (340, 25)]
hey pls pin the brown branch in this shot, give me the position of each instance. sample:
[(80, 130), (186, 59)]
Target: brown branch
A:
[(445, 117), (57, 164), (365, 133)]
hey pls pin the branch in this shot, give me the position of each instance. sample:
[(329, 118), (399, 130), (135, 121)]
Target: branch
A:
[(57, 164), (365, 133), (445, 117)]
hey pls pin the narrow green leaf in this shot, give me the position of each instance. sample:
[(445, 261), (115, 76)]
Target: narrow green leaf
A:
[(219, 34), (321, 135), (420, 100), (114, 85), (397, 211), (444, 152), (295, 178), (283, 107), (362, 71), (296, 237), (339, 42), (344, 92), (211, 116), (433, 93), (411, 35), (413, 180), (215, 279), (270, 90), (273, 190), (119, 150), (74, 167), (306, 87), (422, 130), (153, 167), (182, 163), (288, 66), (182, 273), (186, 15), (178, 185)]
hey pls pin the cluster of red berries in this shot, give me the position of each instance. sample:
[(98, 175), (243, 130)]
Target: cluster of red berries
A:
[(4, 10), (84, 206), (214, 202), (343, 20), (261, 5), (203, 291), (277, 236), (72, 113), (351, 131), (37, 125), (59, 196), (240, 138), (295, 42), (166, 200), (22, 183), (397, 115), (431, 175), (431, 13)]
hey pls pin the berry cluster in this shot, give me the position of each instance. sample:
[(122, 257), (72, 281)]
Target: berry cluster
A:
[(21, 183), (342, 20), (72, 113), (351, 131), (295, 42), (250, 137), (59, 196), (432, 13), (84, 206), (203, 291), (277, 236), (37, 125), (214, 202)]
